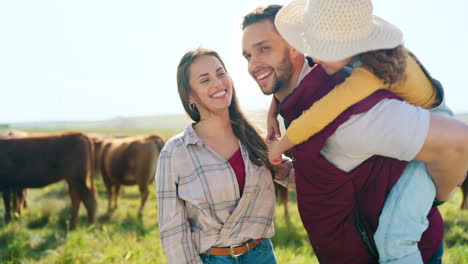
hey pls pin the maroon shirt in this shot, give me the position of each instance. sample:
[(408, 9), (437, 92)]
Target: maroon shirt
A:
[(237, 164), (329, 199)]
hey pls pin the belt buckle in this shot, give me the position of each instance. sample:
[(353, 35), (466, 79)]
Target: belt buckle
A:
[(231, 248)]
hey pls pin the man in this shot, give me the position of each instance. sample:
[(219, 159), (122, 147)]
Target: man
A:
[(338, 206)]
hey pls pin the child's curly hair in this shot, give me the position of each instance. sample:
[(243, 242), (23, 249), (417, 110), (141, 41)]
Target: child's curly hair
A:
[(387, 64)]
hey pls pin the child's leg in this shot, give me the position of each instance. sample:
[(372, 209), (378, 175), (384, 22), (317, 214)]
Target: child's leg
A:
[(404, 216)]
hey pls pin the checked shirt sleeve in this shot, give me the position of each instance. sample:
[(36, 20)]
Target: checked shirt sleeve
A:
[(285, 174), (173, 225)]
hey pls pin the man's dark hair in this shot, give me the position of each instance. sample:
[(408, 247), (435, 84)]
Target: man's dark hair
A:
[(261, 13)]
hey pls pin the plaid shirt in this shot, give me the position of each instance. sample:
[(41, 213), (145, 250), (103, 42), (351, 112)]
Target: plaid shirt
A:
[(199, 203)]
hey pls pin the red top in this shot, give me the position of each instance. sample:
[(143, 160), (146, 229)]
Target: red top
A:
[(237, 164)]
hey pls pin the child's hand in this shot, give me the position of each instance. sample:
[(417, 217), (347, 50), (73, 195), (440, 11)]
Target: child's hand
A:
[(274, 153), (273, 130)]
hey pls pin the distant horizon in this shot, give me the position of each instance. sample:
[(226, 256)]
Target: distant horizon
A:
[(121, 116), (463, 114)]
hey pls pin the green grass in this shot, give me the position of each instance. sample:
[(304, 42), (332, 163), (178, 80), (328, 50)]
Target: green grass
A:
[(40, 235)]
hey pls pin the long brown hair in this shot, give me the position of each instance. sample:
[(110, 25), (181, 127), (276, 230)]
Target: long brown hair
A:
[(247, 133), (387, 64)]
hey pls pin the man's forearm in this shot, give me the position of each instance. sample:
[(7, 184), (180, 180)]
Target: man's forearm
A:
[(445, 152)]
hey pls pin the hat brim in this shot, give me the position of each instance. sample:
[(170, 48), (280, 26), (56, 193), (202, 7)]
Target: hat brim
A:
[(290, 24)]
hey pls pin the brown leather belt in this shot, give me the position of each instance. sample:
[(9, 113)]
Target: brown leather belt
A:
[(235, 250)]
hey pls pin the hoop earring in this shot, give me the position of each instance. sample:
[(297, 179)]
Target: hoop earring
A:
[(192, 107)]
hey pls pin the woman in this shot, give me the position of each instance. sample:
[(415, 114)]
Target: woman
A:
[(216, 197)]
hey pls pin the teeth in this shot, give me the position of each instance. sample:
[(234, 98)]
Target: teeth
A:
[(262, 76), (218, 94)]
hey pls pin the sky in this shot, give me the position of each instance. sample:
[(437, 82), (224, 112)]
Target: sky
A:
[(68, 60)]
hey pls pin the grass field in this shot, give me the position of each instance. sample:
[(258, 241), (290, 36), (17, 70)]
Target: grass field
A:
[(40, 235)]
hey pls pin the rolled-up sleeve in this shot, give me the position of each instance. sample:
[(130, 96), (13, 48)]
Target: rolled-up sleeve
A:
[(173, 224)]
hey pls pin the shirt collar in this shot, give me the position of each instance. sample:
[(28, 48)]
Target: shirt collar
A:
[(190, 137), (304, 71)]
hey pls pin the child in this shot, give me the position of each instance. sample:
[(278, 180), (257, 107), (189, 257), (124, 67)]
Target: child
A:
[(342, 32), (393, 69)]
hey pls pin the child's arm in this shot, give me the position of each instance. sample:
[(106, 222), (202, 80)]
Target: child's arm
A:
[(358, 86), (273, 130)]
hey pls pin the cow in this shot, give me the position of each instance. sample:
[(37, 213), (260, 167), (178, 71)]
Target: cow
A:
[(464, 188), (97, 140), (128, 161), (37, 161), (14, 199), (12, 133), (282, 196)]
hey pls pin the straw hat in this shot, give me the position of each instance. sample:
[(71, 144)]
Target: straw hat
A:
[(331, 30)]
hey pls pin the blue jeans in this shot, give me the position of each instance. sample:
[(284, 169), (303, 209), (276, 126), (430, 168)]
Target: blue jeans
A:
[(437, 257), (261, 254), (404, 216)]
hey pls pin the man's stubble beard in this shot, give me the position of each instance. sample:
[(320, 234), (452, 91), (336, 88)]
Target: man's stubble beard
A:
[(283, 77)]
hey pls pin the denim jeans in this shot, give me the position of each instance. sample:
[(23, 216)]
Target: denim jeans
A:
[(437, 257), (404, 216), (261, 254)]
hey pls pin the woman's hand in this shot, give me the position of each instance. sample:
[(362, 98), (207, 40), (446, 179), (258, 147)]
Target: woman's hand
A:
[(274, 153), (277, 148)]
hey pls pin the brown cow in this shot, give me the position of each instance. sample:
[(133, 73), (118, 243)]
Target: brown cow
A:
[(14, 201), (14, 198), (97, 140), (464, 188), (282, 196), (34, 162), (12, 133), (129, 161)]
